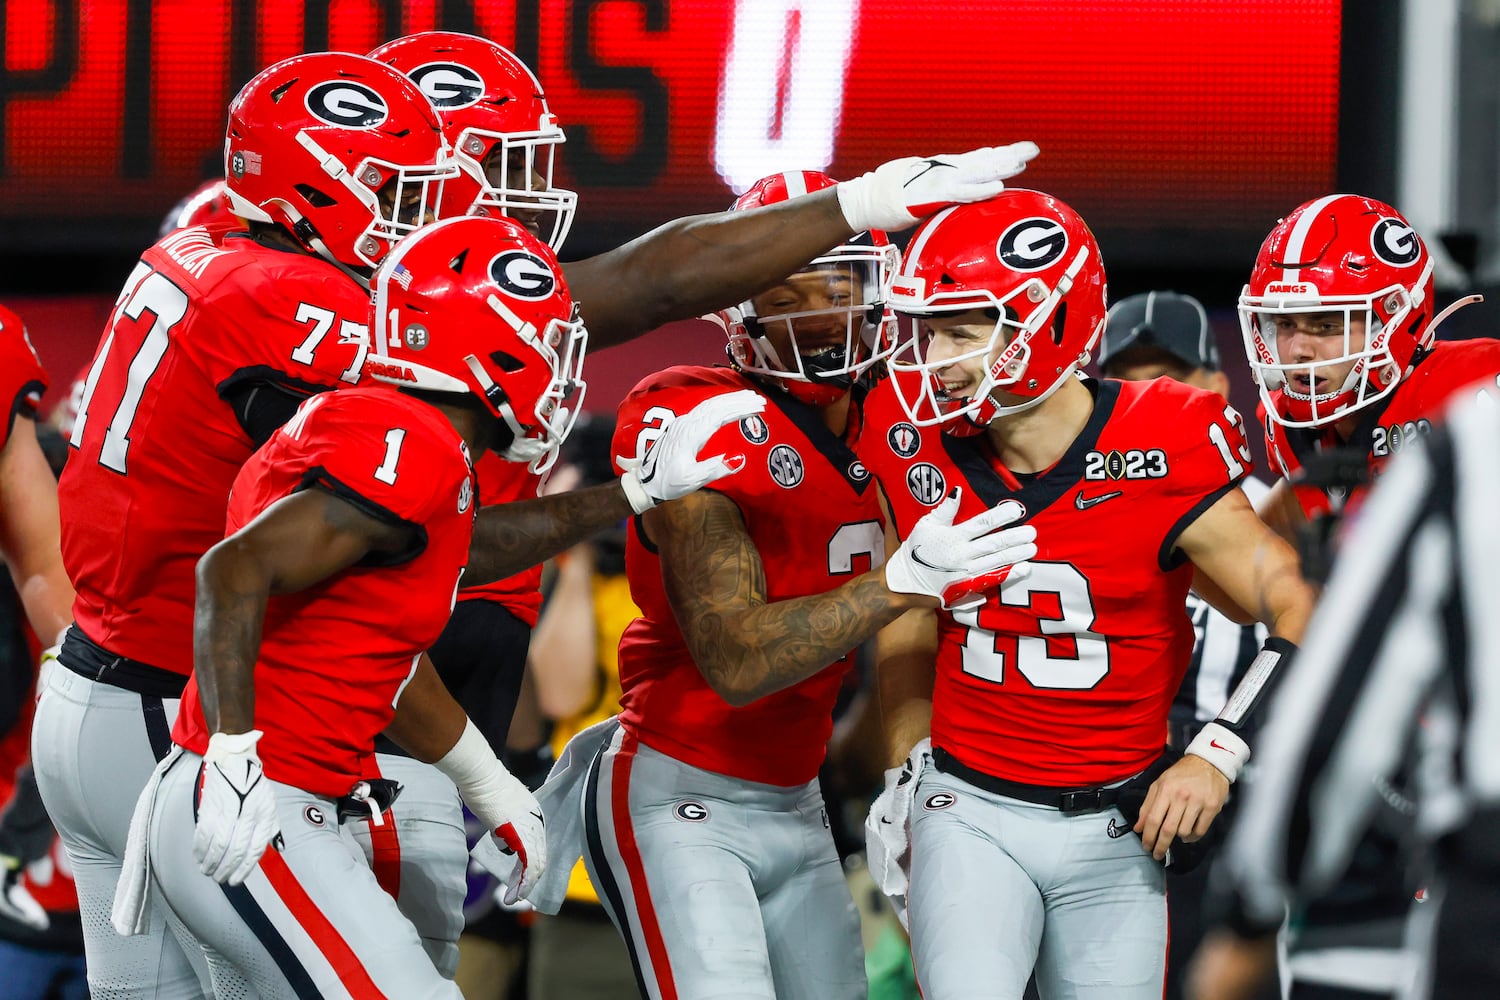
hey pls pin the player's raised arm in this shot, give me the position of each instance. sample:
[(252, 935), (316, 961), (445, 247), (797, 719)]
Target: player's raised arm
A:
[(701, 263), (515, 536)]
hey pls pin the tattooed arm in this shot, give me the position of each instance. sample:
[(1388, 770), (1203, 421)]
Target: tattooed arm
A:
[(695, 265), (744, 647), (294, 544), (511, 537)]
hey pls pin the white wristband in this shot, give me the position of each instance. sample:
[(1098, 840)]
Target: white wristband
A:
[(481, 779), (1219, 745), (640, 500)]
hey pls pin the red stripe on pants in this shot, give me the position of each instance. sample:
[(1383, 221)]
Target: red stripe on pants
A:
[(635, 868), (326, 937), (385, 848)]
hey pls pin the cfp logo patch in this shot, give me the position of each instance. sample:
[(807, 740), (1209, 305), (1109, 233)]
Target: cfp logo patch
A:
[(347, 104), (448, 85), (1395, 242), (691, 812), (313, 815), (523, 275), (1032, 244), (903, 439), (755, 429), (785, 465), (926, 483), (938, 801)]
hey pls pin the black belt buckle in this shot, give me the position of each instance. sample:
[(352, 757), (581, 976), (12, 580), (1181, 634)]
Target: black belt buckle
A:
[(1082, 800), (368, 799)]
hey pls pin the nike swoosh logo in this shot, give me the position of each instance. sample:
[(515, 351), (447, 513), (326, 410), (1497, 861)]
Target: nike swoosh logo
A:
[(931, 165), (1217, 745), (1084, 504), (916, 557)]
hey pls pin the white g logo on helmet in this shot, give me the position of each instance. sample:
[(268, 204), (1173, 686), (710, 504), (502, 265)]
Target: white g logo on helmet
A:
[(448, 85), (1395, 242), (347, 104), (523, 275), (1032, 244)]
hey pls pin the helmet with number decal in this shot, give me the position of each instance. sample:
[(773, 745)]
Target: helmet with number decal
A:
[(341, 151), (478, 305), (822, 328), (1356, 265), (1031, 263), (207, 205), (496, 118)]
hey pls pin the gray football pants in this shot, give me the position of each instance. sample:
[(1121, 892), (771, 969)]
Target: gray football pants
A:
[(310, 922), (723, 889), (1000, 886), (93, 748), (422, 858)]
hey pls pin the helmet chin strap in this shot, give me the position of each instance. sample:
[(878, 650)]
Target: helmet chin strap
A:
[(1467, 300)]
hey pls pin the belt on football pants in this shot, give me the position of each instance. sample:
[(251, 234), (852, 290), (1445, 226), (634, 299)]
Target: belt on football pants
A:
[(368, 799), (87, 658), (1068, 801)]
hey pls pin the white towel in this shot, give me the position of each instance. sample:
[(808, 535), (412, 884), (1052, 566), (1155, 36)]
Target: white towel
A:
[(131, 913), (888, 829), (562, 803)]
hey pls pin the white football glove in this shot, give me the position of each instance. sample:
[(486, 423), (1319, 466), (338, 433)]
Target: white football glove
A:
[(16, 902), (236, 809), (670, 467), (897, 194), (888, 828), (959, 564), (515, 850)]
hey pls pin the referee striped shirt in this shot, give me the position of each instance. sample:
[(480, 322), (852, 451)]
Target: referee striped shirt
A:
[(1410, 619)]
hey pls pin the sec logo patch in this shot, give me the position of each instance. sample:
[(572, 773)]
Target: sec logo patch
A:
[(785, 466), (926, 483)]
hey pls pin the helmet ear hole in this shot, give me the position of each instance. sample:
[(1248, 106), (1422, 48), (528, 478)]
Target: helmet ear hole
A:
[(314, 197), (507, 362), (1059, 322)]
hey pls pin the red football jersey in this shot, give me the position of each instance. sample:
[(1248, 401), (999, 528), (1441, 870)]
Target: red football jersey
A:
[(156, 447), (333, 658), (814, 515), (505, 482), (1065, 677), (1393, 422), (22, 380)]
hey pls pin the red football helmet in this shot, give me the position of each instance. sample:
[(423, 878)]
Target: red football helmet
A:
[(857, 333), (208, 204), (1029, 259), (493, 112), (314, 141), (478, 305), (1354, 257)]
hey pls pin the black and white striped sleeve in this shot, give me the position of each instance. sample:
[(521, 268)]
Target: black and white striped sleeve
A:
[(1415, 595)]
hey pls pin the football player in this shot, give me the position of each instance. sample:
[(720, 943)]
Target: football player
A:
[(1167, 335), (28, 491), (505, 139), (219, 333), (348, 532), (1340, 321), (1047, 704), (705, 826)]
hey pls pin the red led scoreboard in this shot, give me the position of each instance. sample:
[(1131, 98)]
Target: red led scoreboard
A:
[(1173, 117)]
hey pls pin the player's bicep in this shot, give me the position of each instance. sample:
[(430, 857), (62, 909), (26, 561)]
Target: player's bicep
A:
[(1239, 557), (709, 564), (303, 539)]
